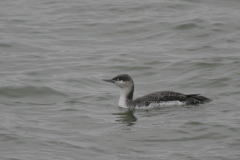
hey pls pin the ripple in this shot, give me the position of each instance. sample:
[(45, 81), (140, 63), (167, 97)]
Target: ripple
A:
[(69, 110), (194, 123), (5, 45), (210, 136), (28, 91), (186, 26)]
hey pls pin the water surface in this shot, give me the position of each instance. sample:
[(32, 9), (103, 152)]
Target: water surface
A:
[(54, 105)]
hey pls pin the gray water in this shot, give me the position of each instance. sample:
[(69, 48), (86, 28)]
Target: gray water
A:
[(54, 105)]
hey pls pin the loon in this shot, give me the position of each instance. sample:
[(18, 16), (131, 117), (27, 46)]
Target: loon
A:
[(125, 82)]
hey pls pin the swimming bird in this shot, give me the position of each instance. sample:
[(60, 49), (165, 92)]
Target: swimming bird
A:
[(125, 82)]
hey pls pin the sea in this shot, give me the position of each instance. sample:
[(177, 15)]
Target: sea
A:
[(55, 53)]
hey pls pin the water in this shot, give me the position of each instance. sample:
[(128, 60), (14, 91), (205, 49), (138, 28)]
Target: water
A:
[(53, 55)]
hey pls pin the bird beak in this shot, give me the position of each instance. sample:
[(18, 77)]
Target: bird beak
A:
[(108, 80)]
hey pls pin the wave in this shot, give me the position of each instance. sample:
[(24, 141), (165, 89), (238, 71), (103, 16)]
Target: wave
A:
[(28, 91)]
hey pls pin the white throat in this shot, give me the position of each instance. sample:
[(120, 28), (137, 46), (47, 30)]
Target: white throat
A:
[(123, 97)]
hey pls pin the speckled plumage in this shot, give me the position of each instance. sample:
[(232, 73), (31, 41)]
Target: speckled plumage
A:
[(166, 96), (126, 84)]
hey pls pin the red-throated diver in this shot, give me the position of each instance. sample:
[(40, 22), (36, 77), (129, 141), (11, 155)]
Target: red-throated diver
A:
[(126, 84)]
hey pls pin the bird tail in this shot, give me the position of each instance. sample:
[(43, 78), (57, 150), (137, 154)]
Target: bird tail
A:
[(199, 98)]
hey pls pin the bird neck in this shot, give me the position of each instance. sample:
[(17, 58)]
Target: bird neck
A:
[(126, 97)]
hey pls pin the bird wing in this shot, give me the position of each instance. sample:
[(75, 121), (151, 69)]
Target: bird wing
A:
[(158, 97)]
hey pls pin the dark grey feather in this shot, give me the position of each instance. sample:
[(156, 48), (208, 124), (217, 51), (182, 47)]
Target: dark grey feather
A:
[(166, 96)]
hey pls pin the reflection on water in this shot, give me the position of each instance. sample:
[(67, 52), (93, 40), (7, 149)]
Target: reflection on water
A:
[(126, 117)]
